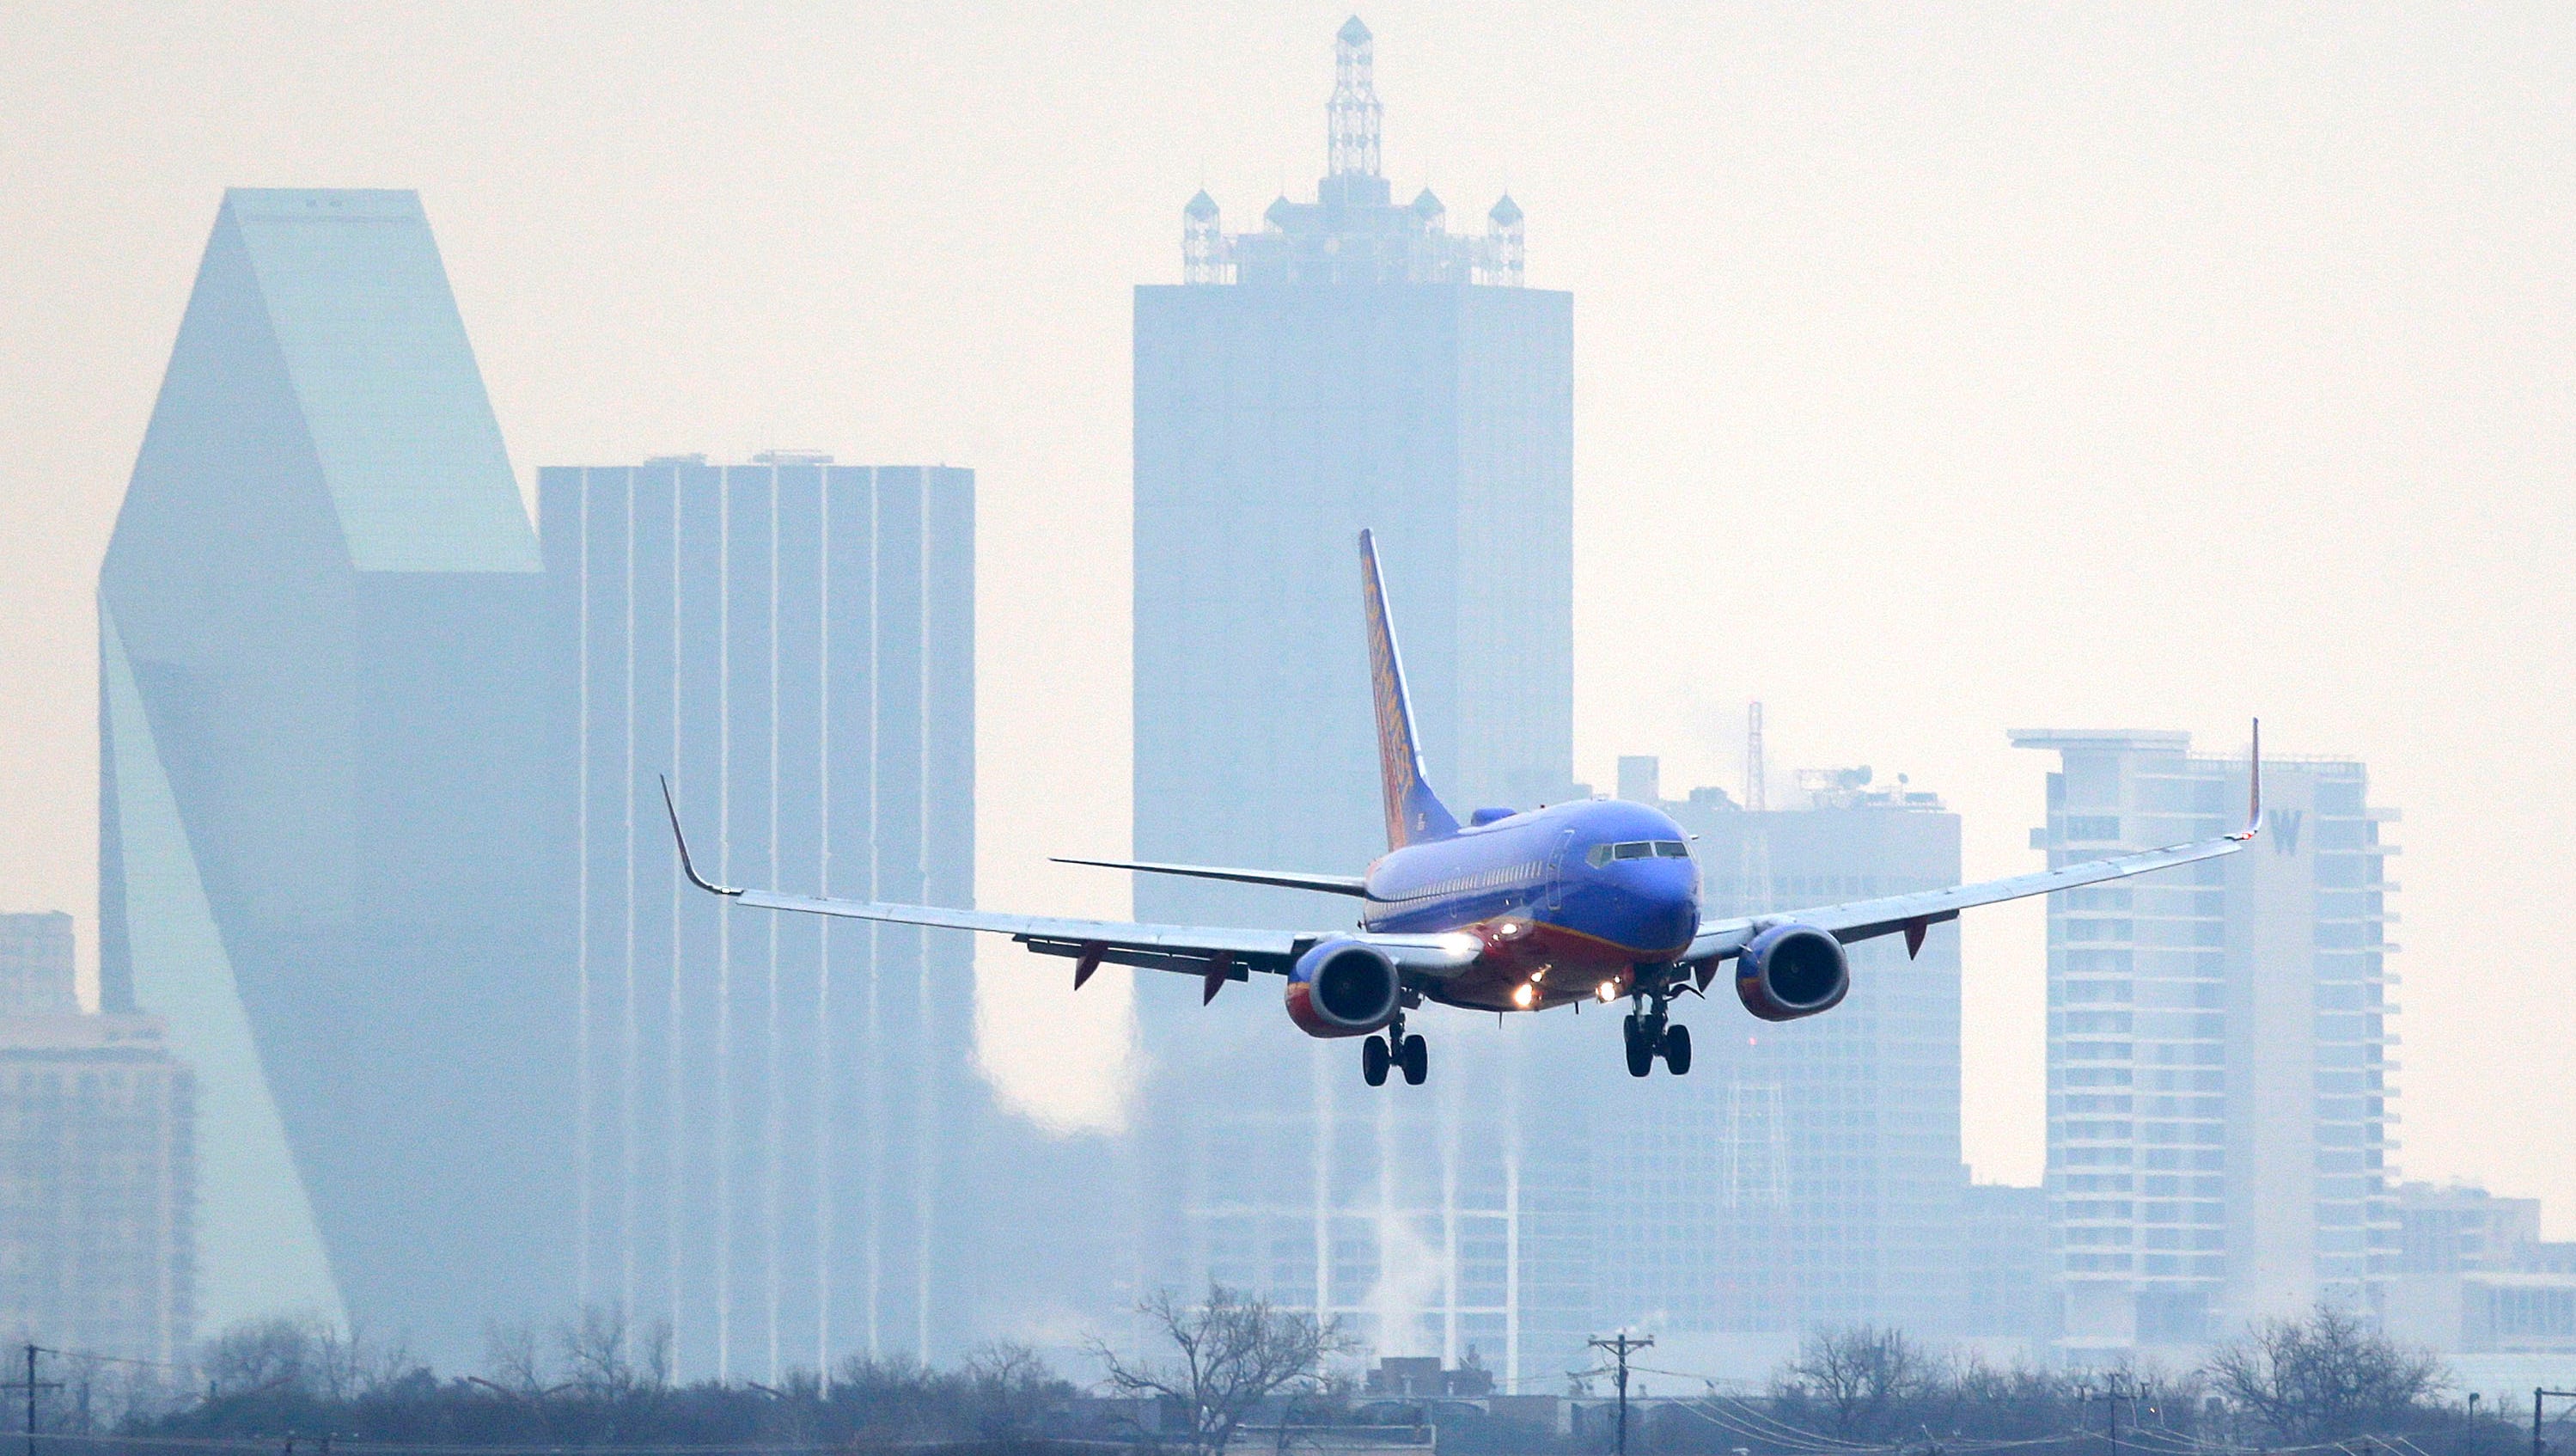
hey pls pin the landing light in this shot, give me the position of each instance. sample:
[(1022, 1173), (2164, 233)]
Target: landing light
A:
[(1523, 994)]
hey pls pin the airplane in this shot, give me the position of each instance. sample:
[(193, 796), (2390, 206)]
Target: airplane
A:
[(1513, 911)]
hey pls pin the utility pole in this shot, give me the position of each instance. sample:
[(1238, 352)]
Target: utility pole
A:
[(32, 1385), (2537, 1393), (1621, 1346), (2115, 1389)]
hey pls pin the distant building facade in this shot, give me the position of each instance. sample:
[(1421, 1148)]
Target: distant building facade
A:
[(1806, 1174), (775, 1111), (322, 846), (2005, 1265), (97, 1164), (1350, 365), (36, 965), (2472, 1275), (2217, 1081)]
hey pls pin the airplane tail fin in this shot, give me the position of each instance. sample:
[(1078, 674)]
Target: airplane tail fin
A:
[(1413, 812)]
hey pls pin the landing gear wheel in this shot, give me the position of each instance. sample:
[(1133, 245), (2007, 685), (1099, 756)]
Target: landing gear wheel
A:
[(1677, 1050), (1374, 1060), (1641, 1047), (1415, 1059)]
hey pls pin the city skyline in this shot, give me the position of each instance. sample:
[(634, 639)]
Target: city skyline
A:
[(1740, 646)]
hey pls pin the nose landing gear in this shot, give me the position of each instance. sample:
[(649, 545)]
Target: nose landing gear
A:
[(1395, 1049), (1651, 1034)]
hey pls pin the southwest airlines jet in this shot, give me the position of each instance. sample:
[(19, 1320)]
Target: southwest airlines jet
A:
[(1511, 911)]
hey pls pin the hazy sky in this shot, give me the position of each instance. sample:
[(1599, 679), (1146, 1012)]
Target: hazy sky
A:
[(1939, 370)]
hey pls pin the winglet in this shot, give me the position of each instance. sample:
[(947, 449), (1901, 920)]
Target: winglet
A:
[(687, 866), (2254, 788)]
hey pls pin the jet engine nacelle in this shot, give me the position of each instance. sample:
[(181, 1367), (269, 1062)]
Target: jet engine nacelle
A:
[(1791, 970), (1344, 988)]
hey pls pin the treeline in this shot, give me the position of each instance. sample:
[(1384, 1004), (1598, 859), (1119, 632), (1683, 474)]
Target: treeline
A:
[(2322, 1383), (587, 1384), (1229, 1373)]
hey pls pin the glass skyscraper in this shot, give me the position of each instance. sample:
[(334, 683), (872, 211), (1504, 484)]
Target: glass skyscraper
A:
[(774, 1112), (1352, 364), (322, 778), (2217, 1080)]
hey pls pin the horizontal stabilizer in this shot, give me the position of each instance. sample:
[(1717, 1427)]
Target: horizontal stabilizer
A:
[(1282, 879)]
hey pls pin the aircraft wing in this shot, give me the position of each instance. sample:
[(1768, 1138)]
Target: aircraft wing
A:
[(1215, 954), (1278, 879), (1915, 913)]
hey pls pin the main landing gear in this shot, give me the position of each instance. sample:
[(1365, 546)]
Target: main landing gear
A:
[(1650, 1034), (1395, 1049)]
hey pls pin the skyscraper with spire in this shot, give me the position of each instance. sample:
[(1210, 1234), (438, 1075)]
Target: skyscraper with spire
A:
[(1351, 363)]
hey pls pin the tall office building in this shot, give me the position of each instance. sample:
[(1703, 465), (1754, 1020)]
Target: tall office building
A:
[(775, 1111), (1805, 1174), (321, 843), (1351, 364), (2217, 1082), (97, 1229)]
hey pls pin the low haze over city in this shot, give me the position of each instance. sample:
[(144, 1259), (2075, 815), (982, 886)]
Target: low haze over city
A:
[(764, 729)]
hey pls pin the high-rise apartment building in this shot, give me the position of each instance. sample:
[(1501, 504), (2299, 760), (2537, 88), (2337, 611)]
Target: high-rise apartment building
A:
[(97, 1170), (322, 848), (2217, 1080), (1351, 364), (776, 1112), (1806, 1174)]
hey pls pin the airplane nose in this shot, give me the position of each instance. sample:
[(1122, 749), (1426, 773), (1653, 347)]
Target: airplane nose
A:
[(1665, 897)]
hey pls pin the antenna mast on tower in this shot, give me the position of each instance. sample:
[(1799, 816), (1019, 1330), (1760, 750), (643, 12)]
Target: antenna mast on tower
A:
[(1754, 868), (1354, 115), (1755, 798)]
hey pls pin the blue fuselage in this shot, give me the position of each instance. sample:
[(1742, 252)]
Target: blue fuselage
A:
[(1568, 900)]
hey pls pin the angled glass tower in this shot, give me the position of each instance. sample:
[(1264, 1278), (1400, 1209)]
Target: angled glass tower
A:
[(321, 786), (1352, 364)]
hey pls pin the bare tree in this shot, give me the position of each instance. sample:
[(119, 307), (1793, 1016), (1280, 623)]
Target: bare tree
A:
[(1863, 1380), (1008, 1391), (594, 1349), (2325, 1377), (349, 1363), (1230, 1353), (258, 1355), (510, 1354)]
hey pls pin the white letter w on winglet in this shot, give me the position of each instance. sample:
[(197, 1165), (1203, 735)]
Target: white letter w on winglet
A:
[(1413, 812)]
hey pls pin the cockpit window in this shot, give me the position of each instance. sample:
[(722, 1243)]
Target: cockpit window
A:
[(1602, 854)]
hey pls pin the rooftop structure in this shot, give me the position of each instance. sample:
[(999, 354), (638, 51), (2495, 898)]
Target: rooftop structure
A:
[(1353, 232)]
